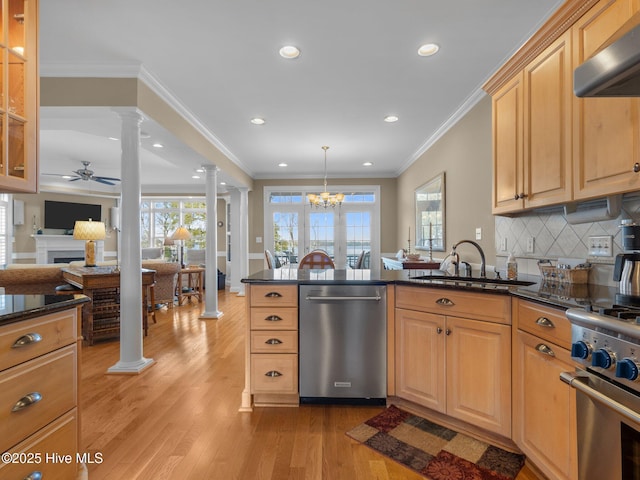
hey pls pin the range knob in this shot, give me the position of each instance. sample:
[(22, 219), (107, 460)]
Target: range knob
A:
[(603, 358), (627, 368), (581, 350)]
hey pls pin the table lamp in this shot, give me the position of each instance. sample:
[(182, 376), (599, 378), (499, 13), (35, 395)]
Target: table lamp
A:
[(181, 234), (89, 231)]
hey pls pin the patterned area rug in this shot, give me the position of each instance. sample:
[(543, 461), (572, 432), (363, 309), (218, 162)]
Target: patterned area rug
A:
[(435, 451)]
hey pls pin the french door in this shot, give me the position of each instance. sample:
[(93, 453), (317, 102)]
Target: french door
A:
[(294, 228)]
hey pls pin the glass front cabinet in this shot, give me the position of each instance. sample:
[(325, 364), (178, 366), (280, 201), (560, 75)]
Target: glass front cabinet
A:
[(19, 96)]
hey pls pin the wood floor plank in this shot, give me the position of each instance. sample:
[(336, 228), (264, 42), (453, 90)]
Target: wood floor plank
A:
[(179, 419)]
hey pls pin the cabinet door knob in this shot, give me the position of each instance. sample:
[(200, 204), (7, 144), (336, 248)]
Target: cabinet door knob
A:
[(542, 348), (447, 332), (27, 401), (523, 195), (27, 339), (636, 167), (545, 322), (273, 374), (516, 197), (438, 330)]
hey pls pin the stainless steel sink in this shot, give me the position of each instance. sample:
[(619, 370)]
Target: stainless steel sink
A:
[(474, 281)]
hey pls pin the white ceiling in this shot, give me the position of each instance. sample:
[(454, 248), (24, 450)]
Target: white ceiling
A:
[(219, 59)]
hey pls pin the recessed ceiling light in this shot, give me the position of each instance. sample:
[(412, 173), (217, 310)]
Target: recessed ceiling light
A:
[(428, 49), (114, 138), (200, 170), (282, 164), (195, 176), (367, 164), (258, 121), (158, 145), (223, 183), (290, 52), (391, 118)]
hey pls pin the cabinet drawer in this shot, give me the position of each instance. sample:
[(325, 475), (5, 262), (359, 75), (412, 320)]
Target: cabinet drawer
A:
[(543, 321), (481, 306), (52, 376), (274, 373), (59, 437), (25, 340), (274, 318), (274, 341), (274, 295)]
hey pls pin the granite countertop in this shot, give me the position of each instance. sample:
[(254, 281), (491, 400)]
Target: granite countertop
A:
[(15, 308), (556, 294)]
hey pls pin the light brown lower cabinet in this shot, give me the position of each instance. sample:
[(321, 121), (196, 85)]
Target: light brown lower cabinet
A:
[(455, 365), (544, 413)]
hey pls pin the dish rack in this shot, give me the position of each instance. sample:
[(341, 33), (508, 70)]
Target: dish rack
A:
[(563, 273)]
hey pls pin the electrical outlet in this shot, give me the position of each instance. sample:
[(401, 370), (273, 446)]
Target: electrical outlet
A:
[(478, 233), (530, 244), (258, 239), (601, 246), (503, 244)]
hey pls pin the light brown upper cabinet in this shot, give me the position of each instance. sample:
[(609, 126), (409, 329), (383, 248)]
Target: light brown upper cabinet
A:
[(507, 118), (606, 131), (550, 147), (19, 96)]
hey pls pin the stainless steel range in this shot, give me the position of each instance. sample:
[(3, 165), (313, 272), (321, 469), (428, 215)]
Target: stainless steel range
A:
[(606, 343)]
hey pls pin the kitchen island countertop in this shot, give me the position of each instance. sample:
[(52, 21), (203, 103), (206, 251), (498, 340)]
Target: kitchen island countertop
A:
[(558, 294), (15, 308)]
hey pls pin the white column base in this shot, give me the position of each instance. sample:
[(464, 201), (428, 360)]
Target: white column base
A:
[(205, 315), (131, 368), (241, 294), (247, 402)]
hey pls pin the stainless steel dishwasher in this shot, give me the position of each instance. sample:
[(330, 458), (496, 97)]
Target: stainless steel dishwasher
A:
[(343, 344)]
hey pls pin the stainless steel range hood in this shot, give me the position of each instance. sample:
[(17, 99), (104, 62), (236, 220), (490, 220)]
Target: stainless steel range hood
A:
[(615, 70)]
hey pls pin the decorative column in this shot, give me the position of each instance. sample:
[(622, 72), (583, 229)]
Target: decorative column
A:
[(243, 246), (236, 252), (211, 250), (131, 308)]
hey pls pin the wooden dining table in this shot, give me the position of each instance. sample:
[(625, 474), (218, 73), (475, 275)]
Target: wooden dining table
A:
[(101, 319)]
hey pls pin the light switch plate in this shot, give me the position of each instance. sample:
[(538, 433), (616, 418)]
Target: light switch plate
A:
[(530, 244), (478, 233), (601, 246)]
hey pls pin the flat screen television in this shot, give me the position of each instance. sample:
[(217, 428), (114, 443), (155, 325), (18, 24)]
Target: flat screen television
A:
[(63, 215)]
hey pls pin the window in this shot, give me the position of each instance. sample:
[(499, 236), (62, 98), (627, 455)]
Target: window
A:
[(293, 227), (159, 218)]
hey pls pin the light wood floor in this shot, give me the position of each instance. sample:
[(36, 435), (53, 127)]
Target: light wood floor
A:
[(179, 419)]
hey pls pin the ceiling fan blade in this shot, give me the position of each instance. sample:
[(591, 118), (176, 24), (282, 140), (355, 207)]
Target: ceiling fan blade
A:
[(113, 179), (101, 180), (74, 179)]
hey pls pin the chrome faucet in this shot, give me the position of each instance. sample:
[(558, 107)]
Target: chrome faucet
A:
[(483, 272)]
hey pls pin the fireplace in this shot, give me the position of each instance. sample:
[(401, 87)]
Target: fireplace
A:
[(62, 249)]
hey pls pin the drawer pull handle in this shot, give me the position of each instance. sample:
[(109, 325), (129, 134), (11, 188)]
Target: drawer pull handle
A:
[(27, 401), (542, 348), (444, 301), (545, 322), (273, 374), (34, 476), (273, 295), (27, 339), (273, 341), (273, 318)]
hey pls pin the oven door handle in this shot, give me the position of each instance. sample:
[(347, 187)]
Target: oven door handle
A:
[(577, 381)]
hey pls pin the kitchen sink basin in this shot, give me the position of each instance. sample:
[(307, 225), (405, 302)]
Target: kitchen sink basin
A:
[(474, 281)]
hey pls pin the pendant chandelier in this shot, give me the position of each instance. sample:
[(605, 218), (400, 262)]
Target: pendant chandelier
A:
[(325, 199)]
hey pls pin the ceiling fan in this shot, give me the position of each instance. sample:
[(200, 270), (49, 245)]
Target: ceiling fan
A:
[(86, 174)]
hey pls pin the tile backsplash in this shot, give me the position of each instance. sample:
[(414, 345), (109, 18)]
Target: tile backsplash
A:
[(554, 237)]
